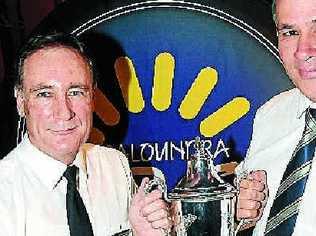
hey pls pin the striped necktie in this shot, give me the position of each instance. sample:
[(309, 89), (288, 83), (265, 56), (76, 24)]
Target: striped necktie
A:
[(287, 201), (78, 219)]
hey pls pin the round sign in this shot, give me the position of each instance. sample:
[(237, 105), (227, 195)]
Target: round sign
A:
[(174, 70)]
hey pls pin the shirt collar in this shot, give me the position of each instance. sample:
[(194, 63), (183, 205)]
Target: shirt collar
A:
[(303, 104), (81, 160), (49, 170)]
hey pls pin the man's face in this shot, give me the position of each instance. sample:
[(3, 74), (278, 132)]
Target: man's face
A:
[(296, 25), (57, 100)]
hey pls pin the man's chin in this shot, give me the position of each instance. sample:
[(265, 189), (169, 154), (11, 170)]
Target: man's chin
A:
[(63, 148), (64, 155), (309, 92)]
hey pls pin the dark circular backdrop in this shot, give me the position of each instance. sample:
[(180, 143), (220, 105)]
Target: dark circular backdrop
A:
[(173, 70)]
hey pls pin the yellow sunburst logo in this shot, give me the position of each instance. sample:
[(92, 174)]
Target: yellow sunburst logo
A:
[(161, 99)]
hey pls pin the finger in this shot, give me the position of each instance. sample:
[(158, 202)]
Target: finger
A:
[(247, 214), (153, 196), (252, 184), (248, 204), (157, 215), (250, 194), (164, 223), (154, 206)]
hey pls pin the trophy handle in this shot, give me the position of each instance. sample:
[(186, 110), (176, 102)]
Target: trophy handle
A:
[(157, 183)]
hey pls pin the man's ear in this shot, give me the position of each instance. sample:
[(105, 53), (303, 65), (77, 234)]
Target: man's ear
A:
[(94, 98), (18, 93)]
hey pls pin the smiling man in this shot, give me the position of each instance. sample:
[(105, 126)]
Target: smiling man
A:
[(281, 154), (53, 182)]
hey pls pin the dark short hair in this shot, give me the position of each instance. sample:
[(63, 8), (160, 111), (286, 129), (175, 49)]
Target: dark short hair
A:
[(39, 42)]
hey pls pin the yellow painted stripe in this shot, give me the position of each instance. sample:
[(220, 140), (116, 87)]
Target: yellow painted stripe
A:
[(131, 90), (105, 110), (198, 93), (162, 84), (225, 116)]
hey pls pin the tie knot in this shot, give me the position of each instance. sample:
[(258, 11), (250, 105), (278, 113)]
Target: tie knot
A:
[(312, 111), (70, 174), (310, 119)]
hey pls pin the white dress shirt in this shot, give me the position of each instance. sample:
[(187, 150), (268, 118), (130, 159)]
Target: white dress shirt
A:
[(33, 191), (277, 129)]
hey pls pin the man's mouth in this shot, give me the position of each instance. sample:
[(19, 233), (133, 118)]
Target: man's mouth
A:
[(63, 131), (307, 72)]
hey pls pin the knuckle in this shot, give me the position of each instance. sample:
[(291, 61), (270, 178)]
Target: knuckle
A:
[(256, 185), (243, 193), (261, 196), (250, 214), (255, 195), (249, 193), (244, 183), (165, 214), (162, 204), (145, 211), (155, 225), (165, 222), (259, 186), (253, 214), (256, 205)]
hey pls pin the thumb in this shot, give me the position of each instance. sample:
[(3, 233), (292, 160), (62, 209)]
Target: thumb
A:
[(141, 190), (259, 175), (144, 183)]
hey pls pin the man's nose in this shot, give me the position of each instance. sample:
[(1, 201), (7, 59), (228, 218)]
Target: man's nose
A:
[(63, 108), (306, 46)]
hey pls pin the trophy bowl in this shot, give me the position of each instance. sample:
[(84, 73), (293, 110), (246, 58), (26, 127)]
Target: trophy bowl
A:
[(197, 213)]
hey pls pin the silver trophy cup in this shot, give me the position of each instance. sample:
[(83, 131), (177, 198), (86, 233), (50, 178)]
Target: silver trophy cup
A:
[(202, 203)]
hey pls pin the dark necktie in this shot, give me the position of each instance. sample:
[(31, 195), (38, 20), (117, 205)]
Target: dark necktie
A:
[(78, 219), (287, 201)]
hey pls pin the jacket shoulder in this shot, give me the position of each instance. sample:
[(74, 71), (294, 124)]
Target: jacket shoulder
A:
[(279, 104)]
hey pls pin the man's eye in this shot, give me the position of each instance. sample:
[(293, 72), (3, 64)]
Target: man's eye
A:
[(76, 93), (43, 94), (288, 33)]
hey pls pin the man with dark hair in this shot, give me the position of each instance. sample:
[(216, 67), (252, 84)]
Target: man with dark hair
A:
[(53, 182), (282, 149)]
